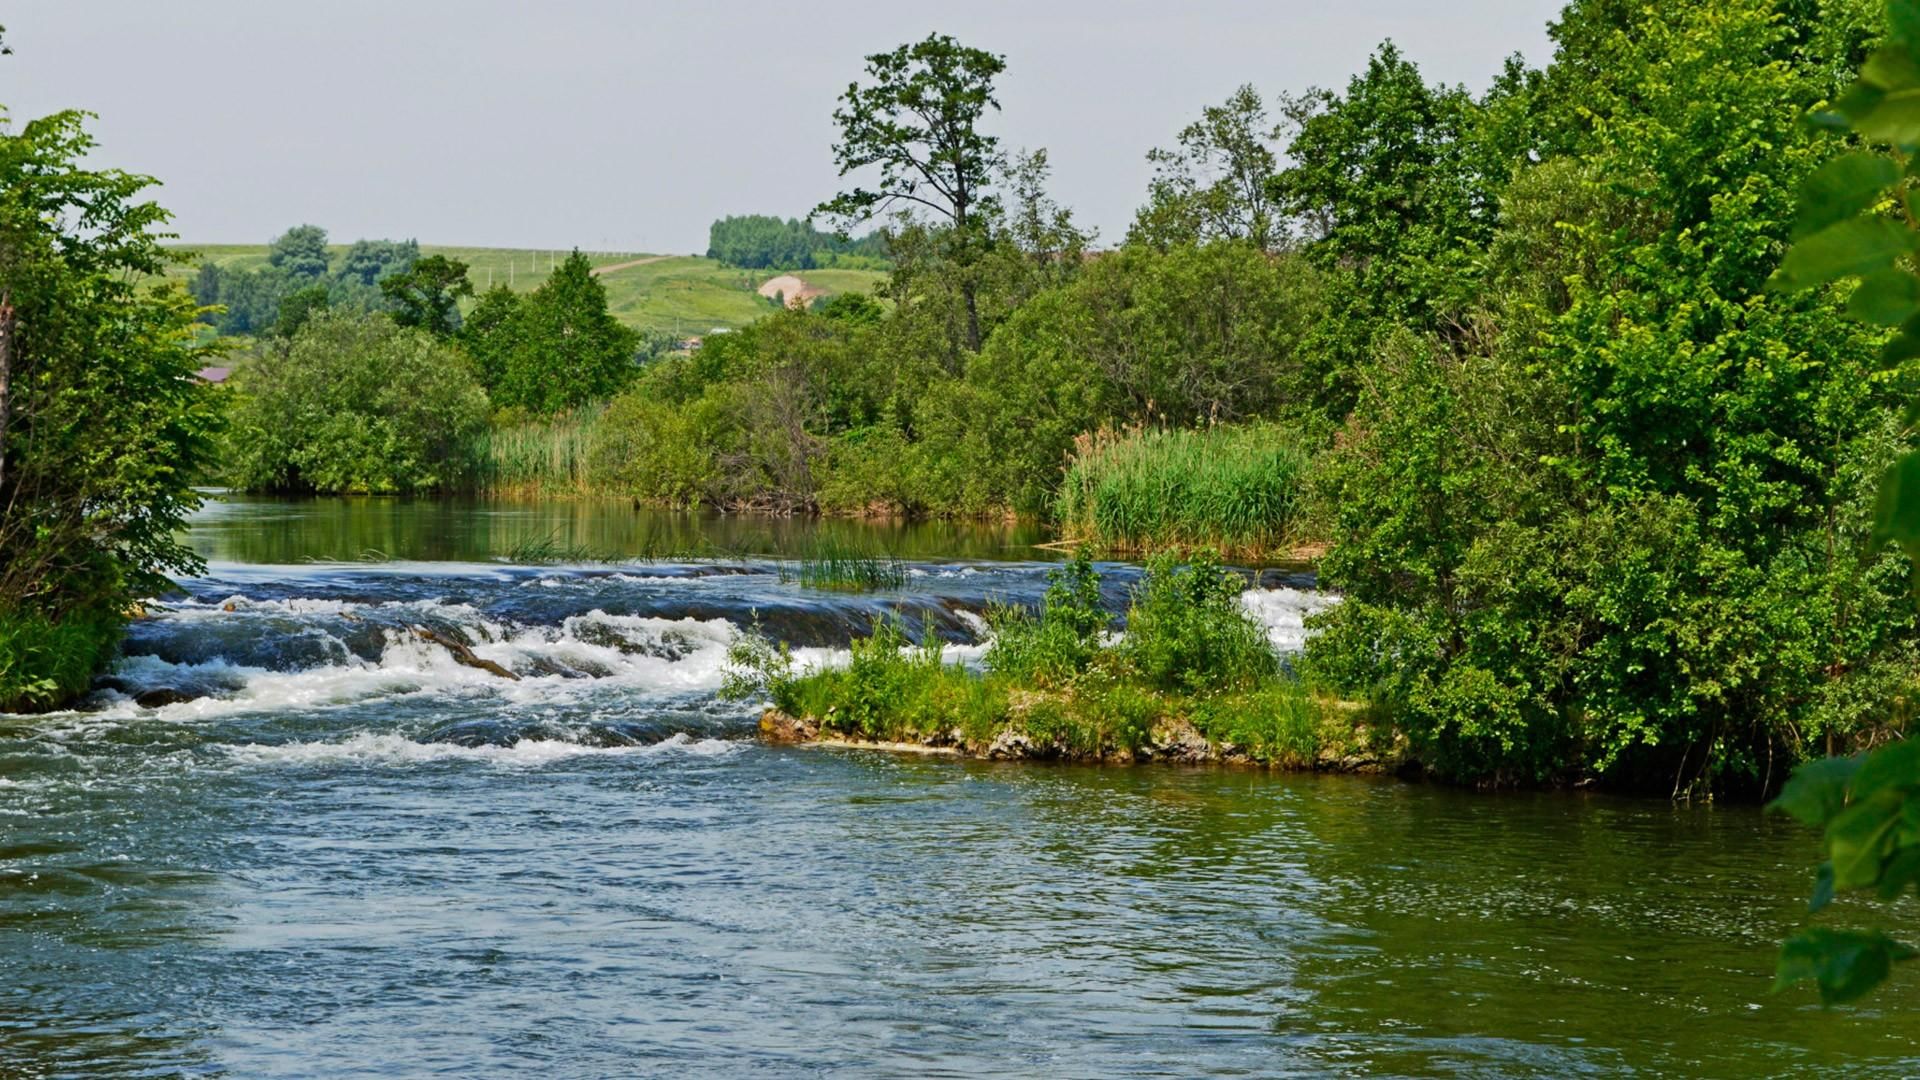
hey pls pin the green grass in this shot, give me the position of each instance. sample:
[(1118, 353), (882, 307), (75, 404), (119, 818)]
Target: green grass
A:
[(1239, 490), (834, 566), (44, 663), (550, 549), (540, 457), (683, 295)]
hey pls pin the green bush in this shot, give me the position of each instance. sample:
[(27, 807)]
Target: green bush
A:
[(1051, 648), (1187, 631), (44, 662), (355, 404)]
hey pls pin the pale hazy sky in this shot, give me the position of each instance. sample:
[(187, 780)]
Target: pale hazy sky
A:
[(630, 126)]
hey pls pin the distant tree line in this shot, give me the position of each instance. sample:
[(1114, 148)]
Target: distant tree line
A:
[(299, 276), (764, 242)]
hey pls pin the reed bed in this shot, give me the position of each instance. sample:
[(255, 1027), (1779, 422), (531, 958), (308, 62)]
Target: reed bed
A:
[(1238, 490), (538, 457)]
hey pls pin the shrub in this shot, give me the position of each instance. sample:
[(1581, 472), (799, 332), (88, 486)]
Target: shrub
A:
[(44, 662), (1186, 629), (1053, 647), (355, 404)]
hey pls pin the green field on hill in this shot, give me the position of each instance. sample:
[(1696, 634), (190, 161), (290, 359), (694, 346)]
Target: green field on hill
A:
[(681, 294)]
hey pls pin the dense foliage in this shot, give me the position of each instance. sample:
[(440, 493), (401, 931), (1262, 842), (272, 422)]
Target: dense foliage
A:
[(355, 403), (760, 242), (1597, 498), (102, 425), (1867, 806), (1607, 515)]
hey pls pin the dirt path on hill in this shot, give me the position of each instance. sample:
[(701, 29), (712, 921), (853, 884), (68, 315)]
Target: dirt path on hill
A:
[(628, 265)]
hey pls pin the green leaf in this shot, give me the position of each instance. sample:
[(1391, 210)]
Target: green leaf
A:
[(1859, 839), (1845, 963), (1902, 348), (1842, 188), (1857, 101), (1900, 871), (1816, 791), (1822, 888), (1896, 119), (1894, 767), (1903, 23), (1856, 246), (1891, 68), (1888, 298), (1896, 517)]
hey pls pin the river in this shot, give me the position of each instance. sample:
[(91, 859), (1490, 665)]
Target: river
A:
[(346, 855)]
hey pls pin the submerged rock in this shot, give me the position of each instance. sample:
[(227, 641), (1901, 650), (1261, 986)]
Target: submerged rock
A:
[(163, 695)]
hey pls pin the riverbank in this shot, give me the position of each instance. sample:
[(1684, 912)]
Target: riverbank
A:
[(1356, 746)]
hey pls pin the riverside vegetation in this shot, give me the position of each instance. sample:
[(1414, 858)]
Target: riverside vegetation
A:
[(1193, 678), (1598, 501)]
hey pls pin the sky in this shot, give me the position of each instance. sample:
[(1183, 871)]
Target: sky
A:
[(613, 125)]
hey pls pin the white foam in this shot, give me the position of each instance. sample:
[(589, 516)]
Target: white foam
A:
[(664, 658), (368, 748), (1284, 612)]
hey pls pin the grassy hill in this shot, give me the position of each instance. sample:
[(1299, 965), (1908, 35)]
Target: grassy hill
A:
[(682, 294)]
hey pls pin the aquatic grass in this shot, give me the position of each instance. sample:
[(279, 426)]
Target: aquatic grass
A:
[(370, 556), (550, 549), (1240, 490), (844, 568), (537, 457)]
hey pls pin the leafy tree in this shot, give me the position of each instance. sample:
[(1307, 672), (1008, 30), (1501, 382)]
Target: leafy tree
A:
[(1570, 526), (367, 262), (1215, 184), (102, 425), (427, 294), (1854, 224), (297, 307), (1386, 184), (1038, 227), (917, 123), (300, 252), (355, 404), (491, 334), (556, 349)]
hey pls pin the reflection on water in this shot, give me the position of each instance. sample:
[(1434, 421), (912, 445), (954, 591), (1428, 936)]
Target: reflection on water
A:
[(344, 854), (256, 529)]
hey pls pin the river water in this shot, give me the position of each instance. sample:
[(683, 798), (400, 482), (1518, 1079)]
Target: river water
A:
[(347, 855)]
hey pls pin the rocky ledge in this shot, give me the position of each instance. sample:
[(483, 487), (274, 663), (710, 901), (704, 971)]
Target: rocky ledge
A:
[(1173, 742)]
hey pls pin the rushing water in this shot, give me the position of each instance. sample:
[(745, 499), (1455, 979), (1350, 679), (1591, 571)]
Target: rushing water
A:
[(347, 855)]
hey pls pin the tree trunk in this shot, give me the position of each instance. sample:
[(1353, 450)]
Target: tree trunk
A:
[(973, 314), (6, 377)]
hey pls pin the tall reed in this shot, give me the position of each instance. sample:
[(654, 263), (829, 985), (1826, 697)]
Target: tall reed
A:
[(537, 457), (1239, 490)]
